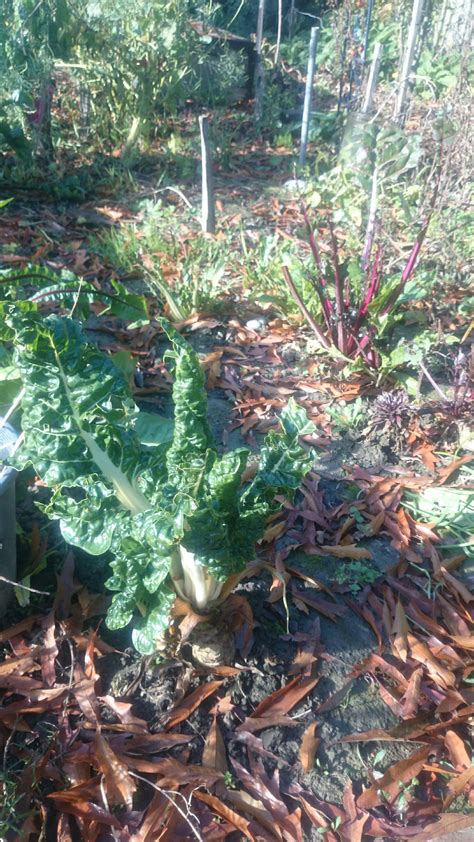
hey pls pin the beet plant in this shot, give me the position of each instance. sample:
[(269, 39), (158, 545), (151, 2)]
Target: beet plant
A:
[(177, 518)]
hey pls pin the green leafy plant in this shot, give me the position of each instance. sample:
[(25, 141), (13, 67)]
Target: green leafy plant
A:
[(176, 517), (356, 575), (347, 416), (356, 301)]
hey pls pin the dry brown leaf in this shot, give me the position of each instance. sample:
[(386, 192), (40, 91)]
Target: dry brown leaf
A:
[(173, 772), (192, 702), (445, 824), (85, 695), (457, 750), (214, 754), (119, 784), (285, 698), (123, 711), (64, 829), (400, 630), (226, 813), (25, 663), (409, 702), (255, 808), (346, 551), (352, 829), (75, 803), (18, 628), (463, 642), (318, 819), (388, 786), (153, 820), (446, 472), (256, 785), (271, 720), (461, 784), (422, 653), (309, 747), (49, 650)]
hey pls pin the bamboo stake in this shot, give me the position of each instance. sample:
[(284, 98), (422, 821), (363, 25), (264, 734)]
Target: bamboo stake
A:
[(372, 80), (279, 25), (370, 8), (407, 66), (208, 219), (259, 68), (291, 19), (308, 94)]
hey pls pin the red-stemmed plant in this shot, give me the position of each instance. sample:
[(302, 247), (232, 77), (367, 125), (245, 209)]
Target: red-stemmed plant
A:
[(346, 327)]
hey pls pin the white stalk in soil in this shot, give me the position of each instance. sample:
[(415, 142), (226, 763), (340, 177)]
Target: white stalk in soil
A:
[(193, 582)]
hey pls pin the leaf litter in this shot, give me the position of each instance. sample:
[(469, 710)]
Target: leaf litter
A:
[(214, 761)]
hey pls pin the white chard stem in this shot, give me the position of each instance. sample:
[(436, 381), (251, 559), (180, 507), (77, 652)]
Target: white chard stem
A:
[(193, 583)]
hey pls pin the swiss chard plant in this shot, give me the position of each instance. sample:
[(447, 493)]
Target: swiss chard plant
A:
[(177, 517)]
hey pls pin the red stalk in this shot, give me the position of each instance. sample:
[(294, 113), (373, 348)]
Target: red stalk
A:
[(412, 260), (372, 289), (341, 334), (321, 281), (299, 301)]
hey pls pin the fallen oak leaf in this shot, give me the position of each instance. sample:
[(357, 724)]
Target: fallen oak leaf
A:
[(83, 690), (49, 650), (75, 803), (457, 750), (255, 808), (446, 472), (153, 820), (272, 720), (225, 812), (119, 785), (124, 714), (332, 610), (20, 665), (463, 642), (213, 754), (420, 652), (256, 745), (352, 829), (318, 819), (387, 788), (342, 551), (285, 698), (275, 806), (309, 747), (400, 630), (24, 625), (445, 824), (461, 784), (409, 702), (147, 743), (173, 772), (191, 702)]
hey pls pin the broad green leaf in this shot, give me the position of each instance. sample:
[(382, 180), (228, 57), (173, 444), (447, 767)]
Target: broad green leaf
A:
[(154, 430)]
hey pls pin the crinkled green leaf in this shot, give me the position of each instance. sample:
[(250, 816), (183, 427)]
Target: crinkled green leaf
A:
[(137, 485), (192, 435), (38, 284), (149, 632), (154, 430), (77, 413)]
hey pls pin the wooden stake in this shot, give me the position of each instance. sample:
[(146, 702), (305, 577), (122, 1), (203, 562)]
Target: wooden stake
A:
[(308, 94), (372, 80), (208, 219), (407, 66)]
